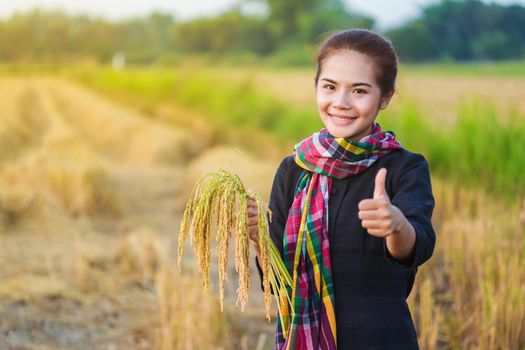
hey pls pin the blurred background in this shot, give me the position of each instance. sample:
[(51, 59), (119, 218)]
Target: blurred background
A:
[(110, 111)]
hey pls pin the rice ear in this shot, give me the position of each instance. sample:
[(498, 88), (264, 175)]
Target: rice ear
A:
[(224, 198), (186, 220), (242, 251)]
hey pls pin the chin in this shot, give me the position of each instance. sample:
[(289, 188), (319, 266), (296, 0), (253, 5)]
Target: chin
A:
[(338, 133)]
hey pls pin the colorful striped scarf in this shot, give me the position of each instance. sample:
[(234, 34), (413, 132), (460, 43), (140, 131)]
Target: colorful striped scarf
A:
[(309, 323)]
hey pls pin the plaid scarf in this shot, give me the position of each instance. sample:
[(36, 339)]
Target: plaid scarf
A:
[(309, 323)]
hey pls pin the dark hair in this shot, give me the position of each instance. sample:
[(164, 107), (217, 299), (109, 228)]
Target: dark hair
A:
[(375, 46)]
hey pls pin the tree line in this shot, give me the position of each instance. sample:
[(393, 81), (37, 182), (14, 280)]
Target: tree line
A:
[(457, 30)]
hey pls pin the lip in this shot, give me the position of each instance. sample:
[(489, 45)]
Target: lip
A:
[(341, 116), (341, 120)]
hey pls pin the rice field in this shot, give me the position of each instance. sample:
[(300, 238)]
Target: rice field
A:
[(91, 199), (249, 106), (96, 167)]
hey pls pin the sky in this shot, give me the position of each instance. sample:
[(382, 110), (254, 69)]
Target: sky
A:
[(387, 13)]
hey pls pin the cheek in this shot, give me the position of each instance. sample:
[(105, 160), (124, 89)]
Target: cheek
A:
[(367, 106), (322, 101)]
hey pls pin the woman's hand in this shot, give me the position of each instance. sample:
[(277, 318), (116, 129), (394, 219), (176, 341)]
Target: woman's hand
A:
[(383, 219), (253, 221), (378, 215)]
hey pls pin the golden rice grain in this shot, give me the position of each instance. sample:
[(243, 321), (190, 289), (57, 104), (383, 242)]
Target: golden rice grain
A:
[(224, 198)]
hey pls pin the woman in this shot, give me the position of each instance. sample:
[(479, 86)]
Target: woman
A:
[(351, 209)]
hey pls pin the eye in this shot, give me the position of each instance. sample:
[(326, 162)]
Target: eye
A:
[(328, 86), (360, 91)]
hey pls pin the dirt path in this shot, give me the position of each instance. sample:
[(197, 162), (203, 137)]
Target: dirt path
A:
[(63, 285)]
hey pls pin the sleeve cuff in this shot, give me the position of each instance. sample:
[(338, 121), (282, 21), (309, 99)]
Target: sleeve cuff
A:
[(409, 263)]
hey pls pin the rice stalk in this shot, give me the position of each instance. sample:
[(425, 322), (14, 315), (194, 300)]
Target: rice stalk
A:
[(242, 251), (224, 198)]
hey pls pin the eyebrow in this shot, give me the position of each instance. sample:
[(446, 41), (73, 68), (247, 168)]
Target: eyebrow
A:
[(353, 85)]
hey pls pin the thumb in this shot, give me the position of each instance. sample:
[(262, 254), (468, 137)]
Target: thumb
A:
[(379, 189)]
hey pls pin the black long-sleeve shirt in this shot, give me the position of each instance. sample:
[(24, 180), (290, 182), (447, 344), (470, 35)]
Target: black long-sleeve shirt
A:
[(370, 286)]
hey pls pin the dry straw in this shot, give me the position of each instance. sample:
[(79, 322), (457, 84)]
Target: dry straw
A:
[(223, 198)]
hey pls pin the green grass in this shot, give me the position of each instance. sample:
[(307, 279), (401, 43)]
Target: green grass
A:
[(479, 150), (226, 104), (503, 69)]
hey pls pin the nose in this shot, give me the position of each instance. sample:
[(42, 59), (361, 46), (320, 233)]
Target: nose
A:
[(342, 101)]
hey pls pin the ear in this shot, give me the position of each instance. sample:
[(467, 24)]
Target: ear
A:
[(385, 100)]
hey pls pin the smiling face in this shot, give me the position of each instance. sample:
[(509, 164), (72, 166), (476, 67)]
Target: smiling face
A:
[(348, 96)]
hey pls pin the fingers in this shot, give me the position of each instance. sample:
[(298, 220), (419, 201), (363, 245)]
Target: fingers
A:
[(373, 214), (253, 220), (374, 204), (376, 213), (253, 216), (378, 232), (379, 189), (375, 224), (253, 233), (252, 211), (378, 228)]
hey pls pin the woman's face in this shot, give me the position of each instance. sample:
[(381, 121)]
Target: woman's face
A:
[(348, 96)]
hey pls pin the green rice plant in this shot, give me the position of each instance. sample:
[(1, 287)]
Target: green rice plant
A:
[(494, 69), (224, 198), (479, 147)]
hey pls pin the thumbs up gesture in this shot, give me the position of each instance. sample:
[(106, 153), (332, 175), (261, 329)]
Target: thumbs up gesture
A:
[(378, 215)]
